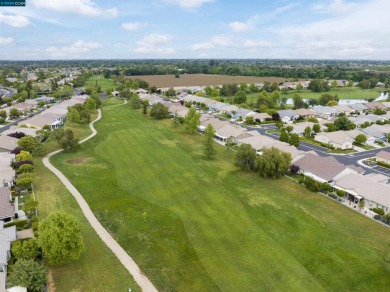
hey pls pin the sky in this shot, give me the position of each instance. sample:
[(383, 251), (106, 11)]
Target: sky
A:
[(176, 29)]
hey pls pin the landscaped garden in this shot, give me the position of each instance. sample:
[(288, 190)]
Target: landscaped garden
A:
[(193, 224)]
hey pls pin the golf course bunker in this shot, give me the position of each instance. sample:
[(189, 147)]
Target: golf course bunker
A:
[(80, 160)]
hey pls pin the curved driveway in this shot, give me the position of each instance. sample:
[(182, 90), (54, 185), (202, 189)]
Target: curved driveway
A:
[(120, 253)]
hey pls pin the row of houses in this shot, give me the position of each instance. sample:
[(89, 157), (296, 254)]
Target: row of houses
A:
[(374, 189)]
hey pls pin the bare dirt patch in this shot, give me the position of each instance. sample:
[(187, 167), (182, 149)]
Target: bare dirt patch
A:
[(80, 160), (203, 80)]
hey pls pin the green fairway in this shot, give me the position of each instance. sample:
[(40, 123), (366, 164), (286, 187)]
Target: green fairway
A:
[(342, 93), (198, 225), (97, 269), (100, 81)]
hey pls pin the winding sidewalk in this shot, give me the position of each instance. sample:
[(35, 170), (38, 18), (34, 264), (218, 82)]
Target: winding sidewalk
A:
[(120, 253)]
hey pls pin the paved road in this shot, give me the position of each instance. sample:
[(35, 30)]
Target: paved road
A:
[(349, 159), (120, 253)]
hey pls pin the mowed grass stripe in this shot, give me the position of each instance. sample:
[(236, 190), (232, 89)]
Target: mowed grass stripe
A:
[(231, 257), (185, 219)]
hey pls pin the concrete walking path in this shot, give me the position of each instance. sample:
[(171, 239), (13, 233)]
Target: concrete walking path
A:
[(120, 253)]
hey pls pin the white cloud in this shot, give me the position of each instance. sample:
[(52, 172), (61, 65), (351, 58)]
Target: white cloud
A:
[(251, 44), (80, 7), (154, 44), (238, 26), (335, 7), (219, 40), (188, 3), (76, 49), (132, 26), (6, 41), (14, 20), (358, 33)]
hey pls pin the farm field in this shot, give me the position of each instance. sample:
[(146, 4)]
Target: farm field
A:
[(97, 269), (198, 225), (202, 80)]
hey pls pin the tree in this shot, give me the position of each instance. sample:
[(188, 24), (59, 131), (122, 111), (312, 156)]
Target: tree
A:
[(326, 98), (90, 104), (170, 92), (298, 102), (364, 84), (135, 102), (73, 116), (14, 113), (294, 169), (340, 193), (229, 145), (307, 132), (249, 120), (26, 249), (29, 274), (159, 111), (294, 140), (28, 143), (316, 128), (342, 123), (30, 207), (192, 120), (299, 86), (289, 129), (360, 139), (60, 238), (24, 155), (240, 97), (209, 149), (145, 104), (283, 136), (253, 88), (66, 139), (273, 162), (245, 157), (208, 90), (326, 187), (3, 114)]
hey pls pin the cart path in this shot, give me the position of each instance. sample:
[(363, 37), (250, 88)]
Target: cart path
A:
[(141, 279)]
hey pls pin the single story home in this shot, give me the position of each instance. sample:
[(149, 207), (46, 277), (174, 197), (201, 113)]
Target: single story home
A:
[(242, 113), (7, 236), (359, 107), (374, 105), (217, 106), (229, 131), (363, 187), (260, 117), (306, 113), (325, 112), (344, 109), (299, 128), (322, 169), (338, 139), (7, 144), (288, 116), (7, 209)]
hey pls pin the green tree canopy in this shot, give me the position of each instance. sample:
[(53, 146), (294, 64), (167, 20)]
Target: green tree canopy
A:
[(28, 273), (245, 157), (60, 238), (27, 142), (273, 163), (192, 120), (209, 149), (24, 155), (360, 139)]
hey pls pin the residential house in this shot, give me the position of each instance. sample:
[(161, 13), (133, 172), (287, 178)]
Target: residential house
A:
[(260, 117), (7, 209), (354, 133), (217, 106), (323, 169), (383, 156), (7, 236), (216, 123), (7, 173), (242, 113), (379, 132), (229, 109), (338, 139), (7, 144), (359, 107), (363, 187), (232, 131), (344, 109), (288, 116), (325, 112), (306, 113), (299, 128), (115, 93), (386, 104), (374, 105)]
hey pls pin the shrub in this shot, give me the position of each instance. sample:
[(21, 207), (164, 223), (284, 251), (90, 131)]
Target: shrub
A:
[(23, 162), (379, 211), (377, 217), (294, 169), (18, 223), (383, 164), (16, 151), (312, 184), (17, 135), (26, 168), (340, 193), (35, 225)]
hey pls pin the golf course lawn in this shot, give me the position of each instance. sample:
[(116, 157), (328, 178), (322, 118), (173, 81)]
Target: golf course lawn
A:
[(198, 225), (97, 269)]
